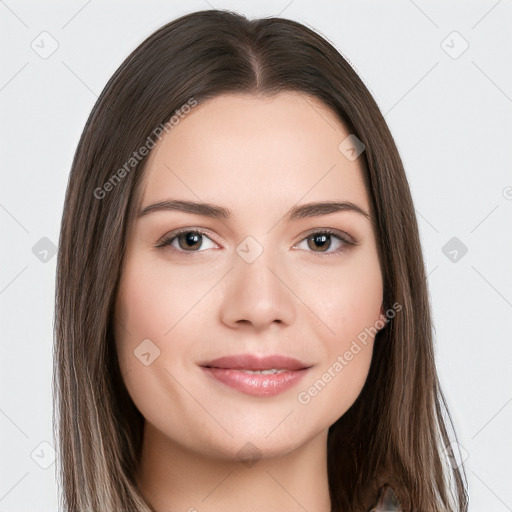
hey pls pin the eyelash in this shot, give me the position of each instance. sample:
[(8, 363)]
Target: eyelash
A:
[(167, 240)]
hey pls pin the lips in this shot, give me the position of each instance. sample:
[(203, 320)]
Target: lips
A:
[(251, 362), (256, 375)]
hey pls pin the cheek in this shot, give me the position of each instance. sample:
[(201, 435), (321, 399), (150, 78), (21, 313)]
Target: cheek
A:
[(347, 298), (149, 314), (350, 305), (153, 300), (160, 303), (146, 309)]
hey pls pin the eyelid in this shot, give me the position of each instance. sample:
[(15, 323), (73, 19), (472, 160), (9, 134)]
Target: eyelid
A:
[(166, 239), (343, 235)]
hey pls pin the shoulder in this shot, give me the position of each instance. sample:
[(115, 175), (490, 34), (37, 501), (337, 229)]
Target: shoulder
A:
[(387, 501)]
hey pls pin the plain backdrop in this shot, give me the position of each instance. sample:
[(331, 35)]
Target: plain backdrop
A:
[(440, 72)]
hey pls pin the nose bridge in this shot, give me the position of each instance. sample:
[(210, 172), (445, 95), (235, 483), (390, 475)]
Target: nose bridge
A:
[(256, 292)]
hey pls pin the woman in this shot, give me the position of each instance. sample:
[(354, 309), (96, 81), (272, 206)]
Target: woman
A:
[(242, 314)]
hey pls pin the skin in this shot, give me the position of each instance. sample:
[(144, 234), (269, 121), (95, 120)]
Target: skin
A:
[(258, 157)]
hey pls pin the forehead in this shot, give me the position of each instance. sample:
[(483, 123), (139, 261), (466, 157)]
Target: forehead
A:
[(254, 151)]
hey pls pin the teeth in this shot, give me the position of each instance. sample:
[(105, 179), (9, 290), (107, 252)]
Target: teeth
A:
[(264, 372)]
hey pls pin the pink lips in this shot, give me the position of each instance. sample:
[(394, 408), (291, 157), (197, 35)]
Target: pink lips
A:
[(230, 371)]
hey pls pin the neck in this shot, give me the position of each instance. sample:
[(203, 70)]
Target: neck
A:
[(174, 478)]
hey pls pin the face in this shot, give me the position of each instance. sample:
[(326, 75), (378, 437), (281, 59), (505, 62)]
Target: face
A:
[(211, 296)]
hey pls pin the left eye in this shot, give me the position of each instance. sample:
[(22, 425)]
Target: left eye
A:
[(321, 240), (192, 241)]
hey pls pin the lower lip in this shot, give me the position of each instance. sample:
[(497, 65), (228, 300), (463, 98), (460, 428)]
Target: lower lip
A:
[(257, 384)]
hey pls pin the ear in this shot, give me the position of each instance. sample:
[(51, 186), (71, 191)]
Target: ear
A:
[(382, 318)]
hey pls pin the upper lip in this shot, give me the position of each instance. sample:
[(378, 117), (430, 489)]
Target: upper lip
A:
[(254, 362)]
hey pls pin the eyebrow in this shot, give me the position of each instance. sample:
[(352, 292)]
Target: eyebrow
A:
[(219, 212)]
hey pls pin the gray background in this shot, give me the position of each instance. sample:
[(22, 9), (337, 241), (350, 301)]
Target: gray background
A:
[(449, 108)]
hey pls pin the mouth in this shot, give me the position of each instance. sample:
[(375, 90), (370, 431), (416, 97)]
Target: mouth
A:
[(257, 376)]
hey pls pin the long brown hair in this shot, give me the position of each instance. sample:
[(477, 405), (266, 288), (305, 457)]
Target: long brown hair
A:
[(397, 429)]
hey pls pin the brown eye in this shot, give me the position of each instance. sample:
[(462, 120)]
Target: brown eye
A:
[(319, 242), (190, 240), (326, 242), (187, 241)]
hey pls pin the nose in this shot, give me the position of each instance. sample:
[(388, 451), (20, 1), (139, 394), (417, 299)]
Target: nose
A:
[(258, 294)]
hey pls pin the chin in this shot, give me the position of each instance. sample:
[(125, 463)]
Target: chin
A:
[(255, 440)]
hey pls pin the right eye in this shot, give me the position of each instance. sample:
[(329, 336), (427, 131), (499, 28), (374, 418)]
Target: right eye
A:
[(186, 240)]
